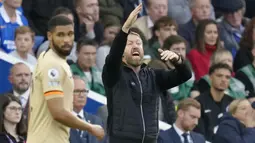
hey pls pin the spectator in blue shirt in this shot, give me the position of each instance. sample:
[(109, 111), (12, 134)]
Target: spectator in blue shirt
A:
[(20, 9), (10, 19)]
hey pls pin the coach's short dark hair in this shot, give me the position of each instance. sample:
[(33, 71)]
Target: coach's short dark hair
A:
[(61, 10), (83, 41), (138, 32), (58, 20), (217, 66)]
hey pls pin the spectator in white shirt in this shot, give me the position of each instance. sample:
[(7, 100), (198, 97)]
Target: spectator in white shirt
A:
[(24, 41), (20, 78)]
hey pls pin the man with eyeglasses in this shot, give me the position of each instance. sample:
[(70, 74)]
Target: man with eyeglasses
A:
[(79, 101)]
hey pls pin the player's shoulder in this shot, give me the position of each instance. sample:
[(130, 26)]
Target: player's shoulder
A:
[(49, 58), (52, 66)]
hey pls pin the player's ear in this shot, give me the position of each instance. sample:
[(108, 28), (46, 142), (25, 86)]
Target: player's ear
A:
[(49, 36), (78, 9), (10, 78)]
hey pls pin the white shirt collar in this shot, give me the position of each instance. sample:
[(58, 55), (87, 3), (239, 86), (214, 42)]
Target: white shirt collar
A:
[(81, 113), (7, 18), (150, 23), (25, 95), (179, 131)]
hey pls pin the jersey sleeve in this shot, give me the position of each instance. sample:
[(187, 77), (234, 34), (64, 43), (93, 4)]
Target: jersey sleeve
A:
[(52, 77)]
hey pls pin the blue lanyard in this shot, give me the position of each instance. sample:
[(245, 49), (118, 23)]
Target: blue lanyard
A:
[(10, 141)]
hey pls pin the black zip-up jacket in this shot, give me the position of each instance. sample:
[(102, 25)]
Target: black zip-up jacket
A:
[(132, 99)]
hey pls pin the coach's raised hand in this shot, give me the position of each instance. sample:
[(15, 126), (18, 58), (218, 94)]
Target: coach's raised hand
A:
[(131, 18)]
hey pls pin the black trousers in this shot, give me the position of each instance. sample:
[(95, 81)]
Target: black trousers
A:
[(127, 140)]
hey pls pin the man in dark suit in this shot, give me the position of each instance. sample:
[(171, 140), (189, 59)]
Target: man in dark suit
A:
[(20, 78), (188, 114), (79, 101)]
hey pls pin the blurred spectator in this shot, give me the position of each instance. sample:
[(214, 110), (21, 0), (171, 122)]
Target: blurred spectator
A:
[(85, 67), (155, 9), (178, 44), (200, 10), (250, 13), (102, 112), (20, 9), (166, 103), (188, 114), (38, 12), (163, 28), (220, 17), (247, 76), (79, 101), (129, 5), (87, 20), (231, 27), (236, 88), (10, 19), (207, 42), (247, 43), (24, 41), (68, 13), (111, 29), (237, 126), (20, 78), (179, 10), (110, 10), (214, 102), (12, 126)]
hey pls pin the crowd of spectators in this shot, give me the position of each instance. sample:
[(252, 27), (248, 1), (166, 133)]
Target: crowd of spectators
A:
[(215, 37)]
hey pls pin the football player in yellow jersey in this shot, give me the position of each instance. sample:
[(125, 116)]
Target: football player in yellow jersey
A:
[(51, 99)]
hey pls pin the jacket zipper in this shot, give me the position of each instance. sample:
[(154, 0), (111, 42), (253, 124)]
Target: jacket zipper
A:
[(141, 107)]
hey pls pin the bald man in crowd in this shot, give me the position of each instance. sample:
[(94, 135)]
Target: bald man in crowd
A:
[(20, 78)]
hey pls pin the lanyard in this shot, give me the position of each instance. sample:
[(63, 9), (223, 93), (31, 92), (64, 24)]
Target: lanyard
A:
[(10, 141)]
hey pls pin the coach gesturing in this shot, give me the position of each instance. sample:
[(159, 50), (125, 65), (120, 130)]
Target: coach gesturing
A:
[(133, 89)]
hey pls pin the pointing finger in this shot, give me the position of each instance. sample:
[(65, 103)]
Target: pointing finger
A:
[(160, 50)]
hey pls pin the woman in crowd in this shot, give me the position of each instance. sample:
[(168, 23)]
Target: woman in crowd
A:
[(12, 126), (237, 126), (236, 88), (207, 42), (244, 55)]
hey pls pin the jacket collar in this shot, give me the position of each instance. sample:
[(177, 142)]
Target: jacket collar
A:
[(126, 66)]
